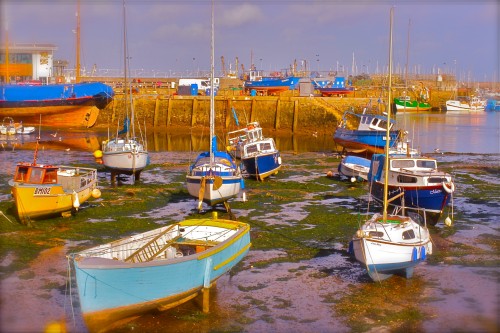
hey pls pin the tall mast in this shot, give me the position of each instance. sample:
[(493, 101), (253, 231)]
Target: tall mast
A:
[(7, 74), (125, 72), (387, 135), (77, 66), (212, 101)]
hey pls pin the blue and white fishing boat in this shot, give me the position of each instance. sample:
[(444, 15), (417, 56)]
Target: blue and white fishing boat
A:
[(416, 183), (156, 270), (390, 244), (258, 82), (365, 132), (214, 177), (259, 154)]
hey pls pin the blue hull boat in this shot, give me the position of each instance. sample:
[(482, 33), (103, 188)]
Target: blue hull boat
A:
[(258, 82), (364, 133), (262, 165), (62, 105), (426, 190), (157, 269), (259, 154)]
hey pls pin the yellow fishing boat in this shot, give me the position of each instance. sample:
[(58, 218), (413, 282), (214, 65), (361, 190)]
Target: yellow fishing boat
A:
[(41, 190)]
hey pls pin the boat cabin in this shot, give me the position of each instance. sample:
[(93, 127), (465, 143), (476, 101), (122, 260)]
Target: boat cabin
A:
[(260, 147), (36, 174), (414, 164), (369, 122)]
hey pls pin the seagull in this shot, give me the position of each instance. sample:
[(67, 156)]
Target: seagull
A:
[(315, 134), (437, 150), (54, 135)]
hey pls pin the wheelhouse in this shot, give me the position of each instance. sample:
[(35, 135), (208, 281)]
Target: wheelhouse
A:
[(36, 174)]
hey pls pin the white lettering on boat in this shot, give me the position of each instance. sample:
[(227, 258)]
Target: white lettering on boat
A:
[(42, 191)]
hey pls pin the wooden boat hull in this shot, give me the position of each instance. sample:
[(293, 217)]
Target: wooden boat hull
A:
[(112, 288)]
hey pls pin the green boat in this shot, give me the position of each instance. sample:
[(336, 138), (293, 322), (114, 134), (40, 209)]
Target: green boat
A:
[(404, 103)]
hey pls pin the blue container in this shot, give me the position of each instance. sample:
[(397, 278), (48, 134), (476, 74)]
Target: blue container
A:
[(253, 92), (194, 89), (208, 91)]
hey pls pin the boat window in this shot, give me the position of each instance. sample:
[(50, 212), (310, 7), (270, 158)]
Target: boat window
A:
[(21, 174), (408, 234), (406, 179), (50, 176), (266, 146), (36, 175), (251, 149), (426, 164), (437, 180), (378, 234), (403, 163)]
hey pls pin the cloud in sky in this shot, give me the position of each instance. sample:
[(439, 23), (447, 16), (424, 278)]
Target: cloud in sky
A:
[(165, 35)]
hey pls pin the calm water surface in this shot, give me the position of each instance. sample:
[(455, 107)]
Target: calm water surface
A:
[(477, 132)]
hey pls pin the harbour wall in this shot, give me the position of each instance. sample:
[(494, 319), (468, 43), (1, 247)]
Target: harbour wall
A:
[(287, 112)]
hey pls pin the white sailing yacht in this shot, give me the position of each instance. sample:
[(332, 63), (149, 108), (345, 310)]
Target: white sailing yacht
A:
[(125, 154), (214, 177), (390, 244)]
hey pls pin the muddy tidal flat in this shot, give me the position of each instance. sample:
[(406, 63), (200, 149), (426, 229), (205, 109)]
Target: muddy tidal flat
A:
[(297, 276)]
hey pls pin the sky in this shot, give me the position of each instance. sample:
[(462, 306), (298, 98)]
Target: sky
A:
[(172, 37)]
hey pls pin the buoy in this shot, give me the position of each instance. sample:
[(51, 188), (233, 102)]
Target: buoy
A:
[(447, 221), (353, 179), (329, 174), (96, 193), (55, 327), (98, 154), (76, 201), (449, 187)]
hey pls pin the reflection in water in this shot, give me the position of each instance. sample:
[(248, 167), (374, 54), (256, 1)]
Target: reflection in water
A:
[(457, 132), (476, 132)]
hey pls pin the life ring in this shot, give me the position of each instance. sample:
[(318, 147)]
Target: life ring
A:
[(451, 187), (250, 127)]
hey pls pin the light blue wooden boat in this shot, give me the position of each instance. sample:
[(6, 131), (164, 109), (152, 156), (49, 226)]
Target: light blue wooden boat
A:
[(157, 269)]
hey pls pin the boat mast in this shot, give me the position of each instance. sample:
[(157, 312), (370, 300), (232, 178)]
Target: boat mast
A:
[(213, 141), (406, 70), (125, 63), (7, 75), (77, 65), (387, 135)]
